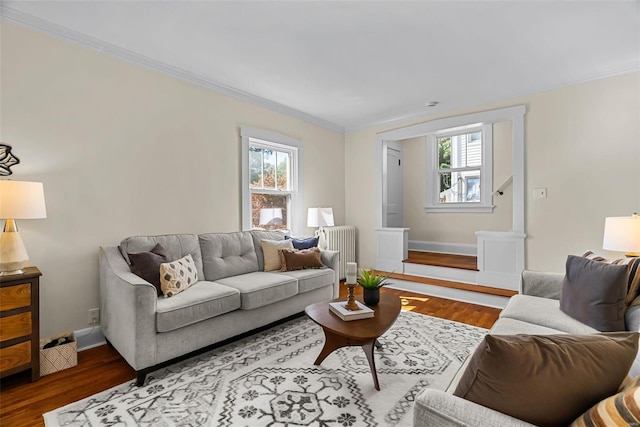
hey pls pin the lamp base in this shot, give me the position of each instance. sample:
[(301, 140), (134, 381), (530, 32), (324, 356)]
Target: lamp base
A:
[(12, 251)]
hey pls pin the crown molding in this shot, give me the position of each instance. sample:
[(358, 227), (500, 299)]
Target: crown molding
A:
[(37, 24)]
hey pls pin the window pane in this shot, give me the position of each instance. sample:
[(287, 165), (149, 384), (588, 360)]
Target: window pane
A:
[(465, 150), (269, 169), (460, 187), (283, 170), (444, 153), (474, 149), (472, 187), (269, 212), (255, 167)]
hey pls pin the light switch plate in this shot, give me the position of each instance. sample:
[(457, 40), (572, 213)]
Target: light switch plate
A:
[(540, 193)]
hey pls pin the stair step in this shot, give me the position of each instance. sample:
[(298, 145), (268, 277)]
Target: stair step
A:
[(453, 285), (462, 262)]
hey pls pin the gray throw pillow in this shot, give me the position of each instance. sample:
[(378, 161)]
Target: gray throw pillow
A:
[(594, 292), (147, 265), (547, 380)]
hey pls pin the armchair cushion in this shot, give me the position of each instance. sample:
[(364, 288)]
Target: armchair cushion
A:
[(547, 380)]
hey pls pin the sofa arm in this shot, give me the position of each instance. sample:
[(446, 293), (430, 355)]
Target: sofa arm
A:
[(437, 408), (332, 260), (542, 284), (128, 310)]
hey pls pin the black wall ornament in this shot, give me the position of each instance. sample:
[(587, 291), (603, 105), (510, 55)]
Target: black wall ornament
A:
[(7, 160)]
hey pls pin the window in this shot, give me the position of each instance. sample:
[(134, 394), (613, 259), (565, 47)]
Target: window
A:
[(459, 169), (270, 180)]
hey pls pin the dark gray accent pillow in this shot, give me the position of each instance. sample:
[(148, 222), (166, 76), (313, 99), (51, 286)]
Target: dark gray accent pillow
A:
[(547, 380), (594, 292), (147, 265)]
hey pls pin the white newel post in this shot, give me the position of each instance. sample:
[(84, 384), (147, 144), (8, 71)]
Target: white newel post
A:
[(392, 247), (500, 259)]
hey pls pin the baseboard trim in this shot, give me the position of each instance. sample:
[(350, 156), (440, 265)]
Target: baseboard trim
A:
[(89, 338), (444, 248)]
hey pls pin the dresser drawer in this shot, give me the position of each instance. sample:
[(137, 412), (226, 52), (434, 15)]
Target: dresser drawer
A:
[(14, 356), (15, 297), (18, 325)]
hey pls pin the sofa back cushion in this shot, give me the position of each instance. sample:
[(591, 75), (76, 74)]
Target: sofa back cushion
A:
[(227, 254), (176, 245), (258, 236)]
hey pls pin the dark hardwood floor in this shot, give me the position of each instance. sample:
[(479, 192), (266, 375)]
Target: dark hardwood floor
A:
[(22, 403)]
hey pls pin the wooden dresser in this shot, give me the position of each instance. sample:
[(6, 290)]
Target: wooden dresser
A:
[(20, 323)]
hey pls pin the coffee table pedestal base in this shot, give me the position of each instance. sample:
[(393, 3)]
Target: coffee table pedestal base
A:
[(334, 341)]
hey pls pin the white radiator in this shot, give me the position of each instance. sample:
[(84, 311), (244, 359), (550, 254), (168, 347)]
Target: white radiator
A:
[(342, 238)]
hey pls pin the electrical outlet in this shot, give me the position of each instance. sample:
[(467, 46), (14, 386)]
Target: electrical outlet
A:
[(94, 316)]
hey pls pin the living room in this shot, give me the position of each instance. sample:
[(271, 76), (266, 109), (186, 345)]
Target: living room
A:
[(133, 145)]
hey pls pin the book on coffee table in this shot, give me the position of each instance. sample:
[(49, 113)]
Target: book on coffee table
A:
[(339, 309)]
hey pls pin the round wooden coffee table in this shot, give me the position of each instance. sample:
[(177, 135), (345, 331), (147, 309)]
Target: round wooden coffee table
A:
[(364, 332)]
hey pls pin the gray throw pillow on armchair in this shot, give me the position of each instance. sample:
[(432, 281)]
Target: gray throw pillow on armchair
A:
[(594, 293)]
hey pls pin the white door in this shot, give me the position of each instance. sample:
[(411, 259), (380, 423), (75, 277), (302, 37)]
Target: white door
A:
[(394, 188)]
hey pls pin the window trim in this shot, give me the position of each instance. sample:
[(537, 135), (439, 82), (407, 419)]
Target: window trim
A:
[(432, 200), (295, 214)]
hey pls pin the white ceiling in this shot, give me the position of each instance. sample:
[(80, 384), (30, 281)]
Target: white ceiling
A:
[(347, 64)]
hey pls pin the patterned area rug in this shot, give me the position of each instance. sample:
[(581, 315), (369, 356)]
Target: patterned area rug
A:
[(269, 379)]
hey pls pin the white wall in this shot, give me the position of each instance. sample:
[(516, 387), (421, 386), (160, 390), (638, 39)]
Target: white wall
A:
[(123, 150), (458, 227), (582, 143)]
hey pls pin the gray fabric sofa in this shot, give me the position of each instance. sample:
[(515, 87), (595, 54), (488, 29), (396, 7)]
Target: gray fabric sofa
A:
[(233, 295), (535, 311)]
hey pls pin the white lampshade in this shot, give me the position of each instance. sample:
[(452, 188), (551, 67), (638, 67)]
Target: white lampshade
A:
[(320, 217), (18, 200), (21, 200), (622, 234), (269, 214)]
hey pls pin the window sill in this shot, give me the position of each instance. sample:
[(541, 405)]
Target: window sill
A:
[(458, 208)]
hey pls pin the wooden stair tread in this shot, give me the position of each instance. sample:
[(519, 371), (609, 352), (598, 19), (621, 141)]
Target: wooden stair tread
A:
[(453, 285), (462, 262)]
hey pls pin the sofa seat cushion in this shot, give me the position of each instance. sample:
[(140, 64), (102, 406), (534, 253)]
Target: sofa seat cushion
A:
[(201, 301), (261, 288), (507, 326), (311, 279), (543, 312)]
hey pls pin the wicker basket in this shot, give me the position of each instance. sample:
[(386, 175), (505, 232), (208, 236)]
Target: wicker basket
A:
[(59, 357)]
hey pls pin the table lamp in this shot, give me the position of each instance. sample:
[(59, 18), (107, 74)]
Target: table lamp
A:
[(18, 200), (320, 217), (622, 234)]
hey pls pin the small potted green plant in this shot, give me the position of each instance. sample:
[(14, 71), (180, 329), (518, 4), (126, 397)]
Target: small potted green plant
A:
[(371, 283)]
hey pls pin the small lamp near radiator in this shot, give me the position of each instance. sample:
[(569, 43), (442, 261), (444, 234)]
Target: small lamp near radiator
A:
[(622, 234), (320, 217), (18, 200)]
